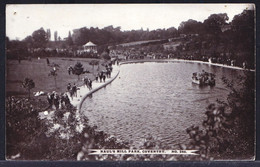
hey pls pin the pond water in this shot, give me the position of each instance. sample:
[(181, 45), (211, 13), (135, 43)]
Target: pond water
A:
[(155, 99)]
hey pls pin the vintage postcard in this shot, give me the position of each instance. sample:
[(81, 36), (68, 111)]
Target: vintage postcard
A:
[(130, 82)]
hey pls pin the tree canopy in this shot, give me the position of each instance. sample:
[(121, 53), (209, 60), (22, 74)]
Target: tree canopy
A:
[(28, 84), (78, 69)]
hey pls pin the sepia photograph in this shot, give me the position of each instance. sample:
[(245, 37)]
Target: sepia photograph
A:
[(130, 82)]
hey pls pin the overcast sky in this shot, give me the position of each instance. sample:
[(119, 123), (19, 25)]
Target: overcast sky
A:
[(22, 20)]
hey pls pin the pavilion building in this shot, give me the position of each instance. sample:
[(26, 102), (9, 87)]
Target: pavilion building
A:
[(90, 47)]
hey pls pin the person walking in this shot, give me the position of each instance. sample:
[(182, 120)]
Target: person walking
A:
[(100, 76), (90, 84), (74, 90), (56, 99), (48, 62), (69, 70), (62, 100), (97, 78), (85, 81), (69, 87), (109, 73), (104, 78), (49, 99), (52, 96), (66, 100)]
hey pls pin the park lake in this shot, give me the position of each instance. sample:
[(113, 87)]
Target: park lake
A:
[(155, 99)]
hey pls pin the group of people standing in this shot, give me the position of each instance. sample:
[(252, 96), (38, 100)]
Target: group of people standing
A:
[(72, 90), (70, 70), (59, 101), (62, 100), (88, 83), (104, 74)]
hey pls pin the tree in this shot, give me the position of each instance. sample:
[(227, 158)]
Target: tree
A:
[(190, 27), (93, 63), (55, 36), (242, 103), (214, 23), (28, 41), (244, 35), (40, 38), (53, 73), (69, 40), (48, 33), (105, 56), (78, 69), (28, 84)]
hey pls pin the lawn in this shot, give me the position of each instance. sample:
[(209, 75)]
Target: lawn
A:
[(38, 70)]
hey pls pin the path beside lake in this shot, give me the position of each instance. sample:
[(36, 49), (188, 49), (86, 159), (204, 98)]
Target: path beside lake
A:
[(183, 60), (83, 91)]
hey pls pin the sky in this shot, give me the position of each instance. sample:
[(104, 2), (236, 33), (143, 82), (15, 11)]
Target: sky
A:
[(23, 20)]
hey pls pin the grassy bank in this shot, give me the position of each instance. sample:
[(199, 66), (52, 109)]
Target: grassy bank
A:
[(38, 70)]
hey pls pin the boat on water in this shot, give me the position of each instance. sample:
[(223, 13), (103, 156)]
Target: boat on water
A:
[(204, 78)]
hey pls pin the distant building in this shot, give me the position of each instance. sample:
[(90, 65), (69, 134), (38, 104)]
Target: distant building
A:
[(90, 47)]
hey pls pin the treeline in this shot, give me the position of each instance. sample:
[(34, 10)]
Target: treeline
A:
[(234, 40), (235, 37), (110, 35)]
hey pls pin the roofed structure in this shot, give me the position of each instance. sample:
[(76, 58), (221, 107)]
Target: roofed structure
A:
[(90, 47), (90, 44)]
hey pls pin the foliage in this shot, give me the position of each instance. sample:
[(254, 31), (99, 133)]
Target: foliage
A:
[(110, 35), (48, 34), (65, 135), (229, 127), (40, 38), (78, 69), (22, 126), (55, 36), (212, 139), (69, 40), (53, 72), (241, 100), (105, 56), (28, 84), (190, 27), (93, 63), (214, 23), (217, 38), (244, 35)]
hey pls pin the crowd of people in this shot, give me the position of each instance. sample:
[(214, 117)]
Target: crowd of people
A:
[(72, 90), (204, 78), (59, 101), (104, 74)]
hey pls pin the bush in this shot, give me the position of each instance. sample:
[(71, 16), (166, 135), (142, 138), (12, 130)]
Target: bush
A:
[(229, 129)]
